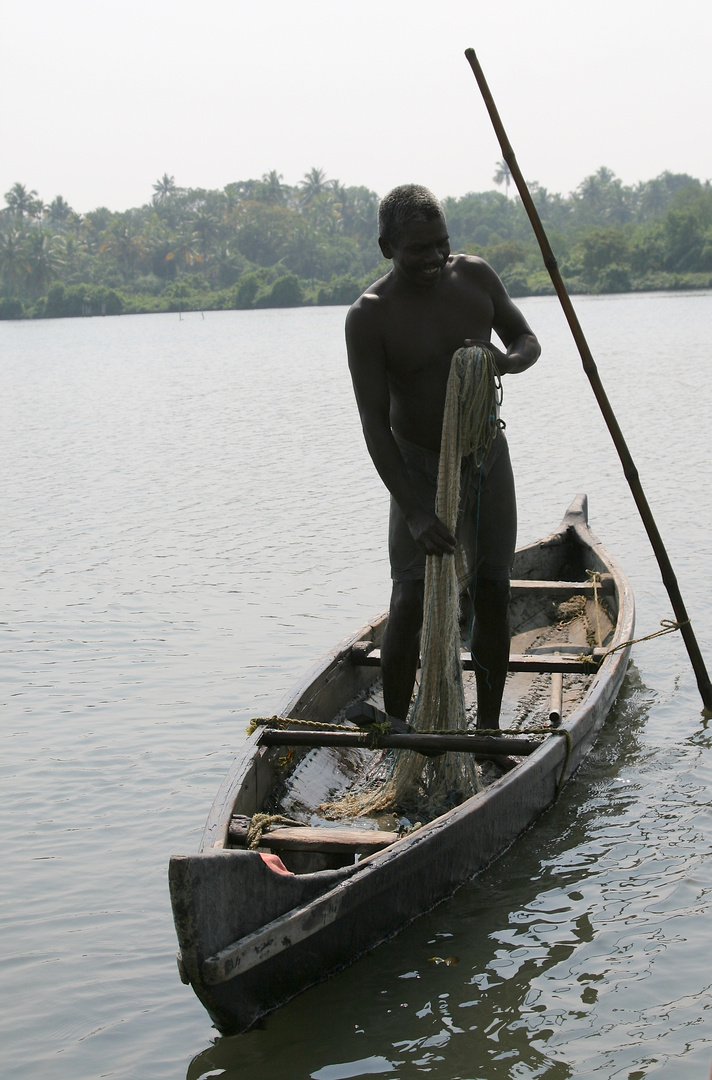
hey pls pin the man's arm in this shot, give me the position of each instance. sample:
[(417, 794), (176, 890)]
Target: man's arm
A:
[(367, 364), (523, 348)]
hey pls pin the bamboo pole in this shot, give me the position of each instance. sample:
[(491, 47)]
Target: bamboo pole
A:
[(589, 366)]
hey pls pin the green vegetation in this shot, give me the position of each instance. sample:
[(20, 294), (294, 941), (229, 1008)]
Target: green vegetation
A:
[(263, 243)]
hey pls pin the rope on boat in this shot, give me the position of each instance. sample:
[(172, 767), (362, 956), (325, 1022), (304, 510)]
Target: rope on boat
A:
[(669, 626), (291, 721), (287, 722), (259, 822), (595, 578)]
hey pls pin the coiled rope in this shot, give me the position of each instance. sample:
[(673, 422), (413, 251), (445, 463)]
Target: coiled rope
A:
[(259, 822)]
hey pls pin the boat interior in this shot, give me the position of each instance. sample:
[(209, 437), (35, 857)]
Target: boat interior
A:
[(563, 616)]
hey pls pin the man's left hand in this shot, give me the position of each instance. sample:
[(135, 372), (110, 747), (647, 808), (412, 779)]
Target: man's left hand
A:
[(500, 358)]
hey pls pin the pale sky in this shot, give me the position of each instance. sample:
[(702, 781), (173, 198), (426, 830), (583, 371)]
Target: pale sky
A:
[(99, 99)]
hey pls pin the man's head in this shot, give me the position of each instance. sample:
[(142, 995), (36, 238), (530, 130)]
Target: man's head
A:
[(403, 205), (413, 233)]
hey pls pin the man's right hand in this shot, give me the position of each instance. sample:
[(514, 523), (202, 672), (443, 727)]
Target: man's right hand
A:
[(430, 534)]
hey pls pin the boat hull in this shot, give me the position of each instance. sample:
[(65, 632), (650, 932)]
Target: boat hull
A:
[(251, 939)]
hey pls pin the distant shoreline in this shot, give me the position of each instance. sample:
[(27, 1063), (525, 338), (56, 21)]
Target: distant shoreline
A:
[(266, 244), (91, 301)]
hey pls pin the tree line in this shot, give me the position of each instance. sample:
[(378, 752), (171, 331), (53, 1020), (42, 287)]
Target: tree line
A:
[(264, 243)]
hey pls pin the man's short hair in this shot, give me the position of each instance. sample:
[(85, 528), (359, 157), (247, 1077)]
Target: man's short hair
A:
[(409, 202)]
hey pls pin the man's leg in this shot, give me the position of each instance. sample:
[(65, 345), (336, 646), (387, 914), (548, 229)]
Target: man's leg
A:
[(496, 517), (490, 648), (400, 647)]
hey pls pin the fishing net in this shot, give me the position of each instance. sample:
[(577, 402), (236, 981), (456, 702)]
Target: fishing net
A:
[(469, 427)]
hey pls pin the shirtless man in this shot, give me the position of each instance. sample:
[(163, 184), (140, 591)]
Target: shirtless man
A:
[(401, 335)]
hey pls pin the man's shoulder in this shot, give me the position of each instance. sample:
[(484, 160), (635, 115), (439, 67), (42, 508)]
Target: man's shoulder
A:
[(472, 266), (474, 273), (370, 301)]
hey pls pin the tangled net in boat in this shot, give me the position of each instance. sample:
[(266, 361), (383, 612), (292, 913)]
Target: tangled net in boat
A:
[(469, 427)]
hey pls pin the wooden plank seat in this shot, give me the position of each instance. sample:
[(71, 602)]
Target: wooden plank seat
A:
[(605, 586), (336, 841), (583, 663)]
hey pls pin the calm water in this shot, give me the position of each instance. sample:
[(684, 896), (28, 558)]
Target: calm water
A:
[(189, 519)]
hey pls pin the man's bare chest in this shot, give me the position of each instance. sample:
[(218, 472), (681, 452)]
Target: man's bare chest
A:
[(422, 336)]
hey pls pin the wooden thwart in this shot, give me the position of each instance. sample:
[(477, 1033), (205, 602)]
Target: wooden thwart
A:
[(582, 664), (481, 745), (558, 589), (339, 840)]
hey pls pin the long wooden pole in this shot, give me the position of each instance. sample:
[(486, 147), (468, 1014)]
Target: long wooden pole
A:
[(629, 469)]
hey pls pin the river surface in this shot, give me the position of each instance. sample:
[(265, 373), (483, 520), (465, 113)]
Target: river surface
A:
[(189, 520)]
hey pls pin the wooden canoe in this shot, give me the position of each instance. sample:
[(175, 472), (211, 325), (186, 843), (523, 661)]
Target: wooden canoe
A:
[(251, 936)]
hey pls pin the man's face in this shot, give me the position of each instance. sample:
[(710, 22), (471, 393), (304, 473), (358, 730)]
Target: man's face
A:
[(420, 252)]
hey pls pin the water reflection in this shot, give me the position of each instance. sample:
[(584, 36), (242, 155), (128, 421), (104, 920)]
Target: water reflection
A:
[(517, 931)]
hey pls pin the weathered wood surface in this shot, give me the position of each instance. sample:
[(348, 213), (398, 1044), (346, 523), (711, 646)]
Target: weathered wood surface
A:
[(340, 840), (559, 590), (582, 664)]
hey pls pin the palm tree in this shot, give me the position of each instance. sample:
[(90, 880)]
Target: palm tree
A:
[(313, 184), (69, 250), (20, 201), (540, 196), (59, 211), (124, 242), (205, 229), (325, 212), (591, 190), (271, 189), (185, 250), (13, 260), (164, 188), (602, 198), (359, 211), (503, 175), (43, 259)]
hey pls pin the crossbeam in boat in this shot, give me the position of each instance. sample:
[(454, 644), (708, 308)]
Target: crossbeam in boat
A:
[(480, 745), (337, 840), (558, 589), (583, 663)]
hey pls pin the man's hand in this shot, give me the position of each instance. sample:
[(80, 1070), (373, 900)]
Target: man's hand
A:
[(500, 358), (430, 534)]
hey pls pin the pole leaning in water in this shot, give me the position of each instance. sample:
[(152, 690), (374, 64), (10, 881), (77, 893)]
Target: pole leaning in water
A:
[(629, 469)]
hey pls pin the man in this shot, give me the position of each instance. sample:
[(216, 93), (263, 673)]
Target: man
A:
[(401, 335)]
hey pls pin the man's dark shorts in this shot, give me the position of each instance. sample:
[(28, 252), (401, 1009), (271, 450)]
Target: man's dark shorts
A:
[(487, 524)]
